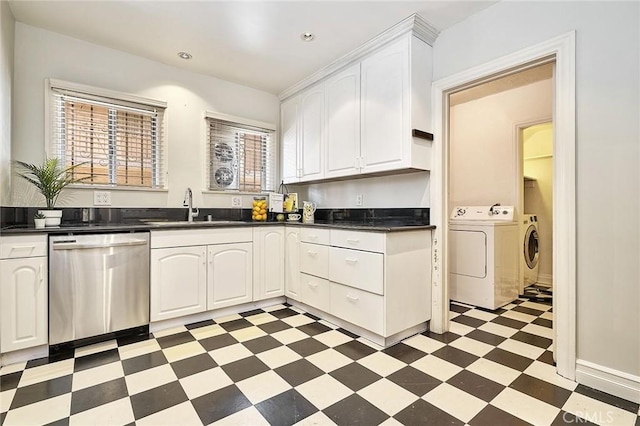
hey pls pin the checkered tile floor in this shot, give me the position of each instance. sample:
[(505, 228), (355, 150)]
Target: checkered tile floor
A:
[(281, 366)]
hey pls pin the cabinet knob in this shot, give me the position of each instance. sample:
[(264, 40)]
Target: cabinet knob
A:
[(353, 240), (352, 298), (312, 253), (351, 260)]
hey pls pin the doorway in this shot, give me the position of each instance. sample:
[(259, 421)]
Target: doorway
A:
[(561, 51)]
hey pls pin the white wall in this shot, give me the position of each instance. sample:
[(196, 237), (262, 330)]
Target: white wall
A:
[(607, 151), (483, 144), (7, 26), (538, 195), (41, 54)]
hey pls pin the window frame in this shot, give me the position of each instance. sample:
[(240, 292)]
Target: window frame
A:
[(51, 84), (239, 121)]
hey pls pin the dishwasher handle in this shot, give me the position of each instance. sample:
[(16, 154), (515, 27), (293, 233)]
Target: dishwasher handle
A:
[(72, 245)]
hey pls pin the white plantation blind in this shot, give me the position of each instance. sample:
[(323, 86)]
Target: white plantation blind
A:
[(240, 157), (119, 142)]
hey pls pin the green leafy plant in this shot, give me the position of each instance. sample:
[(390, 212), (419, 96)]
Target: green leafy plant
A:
[(39, 216), (50, 177)]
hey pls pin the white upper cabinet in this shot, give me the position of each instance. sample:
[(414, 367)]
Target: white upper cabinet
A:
[(289, 131), (311, 130), (342, 106)]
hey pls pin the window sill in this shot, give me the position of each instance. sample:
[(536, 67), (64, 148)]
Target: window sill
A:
[(213, 191), (116, 188)]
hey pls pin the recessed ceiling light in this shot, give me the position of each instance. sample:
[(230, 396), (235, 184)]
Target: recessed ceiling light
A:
[(184, 55), (307, 36)]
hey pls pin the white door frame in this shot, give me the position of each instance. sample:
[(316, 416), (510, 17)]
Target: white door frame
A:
[(561, 50)]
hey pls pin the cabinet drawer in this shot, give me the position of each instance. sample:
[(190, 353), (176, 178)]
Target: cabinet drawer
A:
[(315, 235), (198, 237), (314, 259), (370, 241), (315, 292), (23, 246), (360, 269), (358, 307)]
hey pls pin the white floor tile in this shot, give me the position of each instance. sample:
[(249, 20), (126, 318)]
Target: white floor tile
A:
[(494, 371), (472, 346), (278, 357), (169, 331), (527, 408), (329, 360), (262, 318), (181, 414), (538, 330), (5, 400), (324, 391), (387, 396), (230, 353), (391, 422), (93, 376), (436, 367), (482, 315), (316, 419), (42, 412), (250, 416), (274, 308), (381, 363), (458, 403), (263, 386), (138, 348), (247, 333), (95, 348), (497, 329), (521, 348), (12, 368), (205, 382), (111, 414), (298, 320), (547, 315), (453, 314), (227, 318), (598, 412), (208, 331), (185, 350), (46, 372), (333, 338), (149, 379), (533, 305), (460, 329), (546, 372), (424, 343), (289, 335), (519, 316)]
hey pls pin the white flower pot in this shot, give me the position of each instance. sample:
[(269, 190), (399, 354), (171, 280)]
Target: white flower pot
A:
[(53, 217), (39, 223)]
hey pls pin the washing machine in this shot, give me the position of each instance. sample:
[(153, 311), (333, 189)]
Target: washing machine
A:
[(483, 256), (530, 249)]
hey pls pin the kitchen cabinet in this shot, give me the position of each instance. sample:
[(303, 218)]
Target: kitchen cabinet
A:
[(292, 262), (268, 262), (178, 282), (289, 130), (23, 292), (314, 268), (229, 275)]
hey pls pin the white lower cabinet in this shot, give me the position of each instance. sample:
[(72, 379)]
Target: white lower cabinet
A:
[(292, 262), (315, 292), (23, 296), (178, 282), (359, 307), (268, 262), (230, 279)]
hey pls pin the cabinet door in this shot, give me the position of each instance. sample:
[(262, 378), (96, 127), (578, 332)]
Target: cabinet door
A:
[(385, 108), (23, 296), (292, 263), (289, 131), (342, 118), (268, 266), (230, 281), (311, 142), (178, 282)]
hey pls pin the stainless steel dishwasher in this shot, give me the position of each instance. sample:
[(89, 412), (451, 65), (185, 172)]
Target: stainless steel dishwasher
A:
[(98, 284)]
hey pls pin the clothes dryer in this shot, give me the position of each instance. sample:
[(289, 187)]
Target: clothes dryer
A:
[(530, 249)]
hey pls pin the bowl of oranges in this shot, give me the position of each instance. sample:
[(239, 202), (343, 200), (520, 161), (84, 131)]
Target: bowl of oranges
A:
[(259, 212)]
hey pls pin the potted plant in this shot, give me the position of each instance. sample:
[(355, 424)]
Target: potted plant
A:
[(50, 178), (39, 220)]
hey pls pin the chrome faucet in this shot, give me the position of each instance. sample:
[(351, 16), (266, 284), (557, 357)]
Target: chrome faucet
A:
[(188, 202)]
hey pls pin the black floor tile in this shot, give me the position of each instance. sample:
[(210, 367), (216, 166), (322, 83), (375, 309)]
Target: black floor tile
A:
[(2, 416), (237, 324), (528, 311), (509, 359), (262, 344), (509, 322), (298, 372), (415, 381), (96, 360), (498, 311), (10, 381), (404, 353), (217, 342), (36, 362), (608, 399), (61, 422), (539, 389), (286, 408), (532, 339), (422, 413), (455, 356), (355, 376), (459, 308), (175, 339), (355, 350), (251, 313), (470, 321), (284, 313), (219, 404), (492, 416), (313, 317), (192, 365), (94, 396), (40, 391), (143, 362), (244, 368), (132, 338), (306, 347), (355, 410), (445, 338), (274, 326), (476, 385), (348, 333), (314, 328), (564, 418), (157, 399), (485, 337), (200, 324), (547, 358), (543, 322)]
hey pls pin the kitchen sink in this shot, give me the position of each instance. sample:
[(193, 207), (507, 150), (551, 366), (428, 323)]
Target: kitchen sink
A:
[(184, 222)]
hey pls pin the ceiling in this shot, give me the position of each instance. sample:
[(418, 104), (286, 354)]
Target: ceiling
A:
[(253, 43)]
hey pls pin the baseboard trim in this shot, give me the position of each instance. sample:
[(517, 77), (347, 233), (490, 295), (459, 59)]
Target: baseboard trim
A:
[(545, 280), (614, 382)]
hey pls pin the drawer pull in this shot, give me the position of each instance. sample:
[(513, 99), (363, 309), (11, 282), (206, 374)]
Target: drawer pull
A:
[(353, 240), (351, 260), (312, 253), (352, 298), (312, 284)]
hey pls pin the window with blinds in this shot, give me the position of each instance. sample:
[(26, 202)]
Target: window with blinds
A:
[(118, 143), (240, 157)]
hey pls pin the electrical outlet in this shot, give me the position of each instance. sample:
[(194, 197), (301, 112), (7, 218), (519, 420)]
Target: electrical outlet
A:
[(236, 201), (359, 199), (101, 198)]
